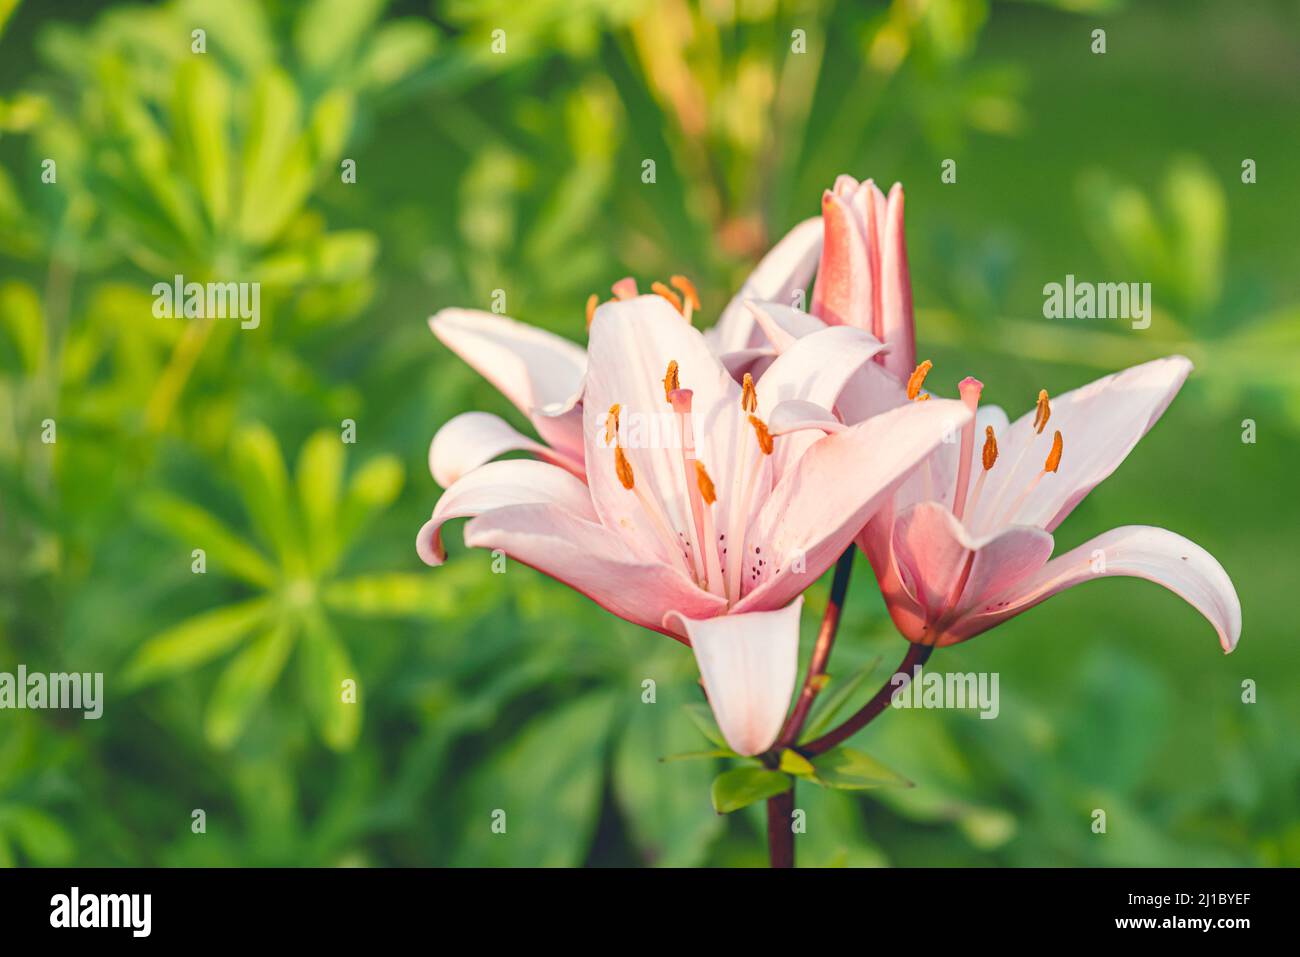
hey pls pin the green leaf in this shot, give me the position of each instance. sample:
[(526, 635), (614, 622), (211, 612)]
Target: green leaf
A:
[(276, 171), (337, 257), (201, 113), (404, 594), (329, 126), (792, 762), (195, 641), (398, 48), (702, 718), (264, 487), (373, 488), (325, 664), (244, 684), (195, 527), (23, 318), (7, 8), (741, 787), (319, 475), (327, 31), (854, 770), (543, 787), (832, 701), (698, 755)]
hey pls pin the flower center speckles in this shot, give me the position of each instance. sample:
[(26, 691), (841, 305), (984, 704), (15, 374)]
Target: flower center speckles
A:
[(714, 561)]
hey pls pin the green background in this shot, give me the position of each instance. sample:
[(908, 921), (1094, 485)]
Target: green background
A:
[(522, 172)]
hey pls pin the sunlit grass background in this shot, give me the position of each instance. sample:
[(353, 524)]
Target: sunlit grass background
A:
[(522, 172)]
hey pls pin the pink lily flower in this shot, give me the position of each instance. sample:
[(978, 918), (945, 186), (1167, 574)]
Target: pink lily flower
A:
[(541, 373), (966, 541), (862, 278), (965, 544), (711, 534)]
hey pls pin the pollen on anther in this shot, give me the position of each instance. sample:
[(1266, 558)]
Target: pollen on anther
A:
[(1042, 412), (917, 378), (990, 448), (687, 289), (671, 381), (749, 395), (623, 468), (763, 435), (705, 483), (1054, 457), (592, 301), (668, 294), (611, 424)]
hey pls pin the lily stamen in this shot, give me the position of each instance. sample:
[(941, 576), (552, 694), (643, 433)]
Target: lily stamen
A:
[(741, 515), (681, 401), (671, 381), (708, 495), (1052, 464), (748, 406), (689, 295), (627, 478), (1042, 412), (988, 457), (917, 379), (970, 389), (611, 424), (592, 302), (672, 297)]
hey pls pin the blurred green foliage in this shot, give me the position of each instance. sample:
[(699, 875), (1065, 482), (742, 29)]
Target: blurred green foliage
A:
[(521, 171)]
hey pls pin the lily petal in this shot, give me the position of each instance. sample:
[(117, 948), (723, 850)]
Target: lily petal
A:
[(782, 324), (631, 344), (796, 415), (500, 485), (788, 266), (1100, 423), (814, 369), (1139, 551), (943, 570), (842, 293), (870, 391), (473, 438), (536, 370), (807, 522), (898, 327), (592, 559), (749, 663), (755, 361)]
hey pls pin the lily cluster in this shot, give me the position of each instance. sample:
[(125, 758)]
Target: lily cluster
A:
[(797, 434)]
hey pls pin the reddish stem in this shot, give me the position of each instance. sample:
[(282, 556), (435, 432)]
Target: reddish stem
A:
[(916, 655), (821, 652), (780, 828)]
